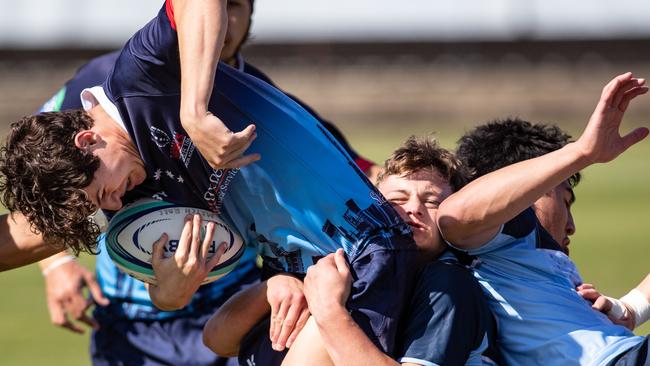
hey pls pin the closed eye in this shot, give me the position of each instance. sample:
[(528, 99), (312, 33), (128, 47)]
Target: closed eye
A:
[(432, 204)]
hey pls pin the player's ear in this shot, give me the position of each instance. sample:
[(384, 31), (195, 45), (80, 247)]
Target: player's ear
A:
[(86, 140)]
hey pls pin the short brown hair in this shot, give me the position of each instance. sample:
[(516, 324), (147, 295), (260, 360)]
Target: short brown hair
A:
[(43, 174), (422, 153)]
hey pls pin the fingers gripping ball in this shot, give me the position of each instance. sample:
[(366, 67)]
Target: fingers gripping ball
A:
[(133, 230)]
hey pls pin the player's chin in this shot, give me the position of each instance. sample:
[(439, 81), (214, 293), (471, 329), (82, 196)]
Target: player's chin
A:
[(422, 238)]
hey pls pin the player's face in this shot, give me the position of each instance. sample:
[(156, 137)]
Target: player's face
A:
[(120, 170), (553, 211), (416, 198), (239, 18)]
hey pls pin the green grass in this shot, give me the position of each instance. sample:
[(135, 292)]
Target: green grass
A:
[(610, 247)]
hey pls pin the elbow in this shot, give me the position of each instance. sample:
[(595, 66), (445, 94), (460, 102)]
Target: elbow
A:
[(453, 222), (214, 340)]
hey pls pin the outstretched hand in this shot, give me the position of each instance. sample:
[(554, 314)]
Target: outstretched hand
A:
[(68, 306), (601, 141), (222, 148), (180, 275)]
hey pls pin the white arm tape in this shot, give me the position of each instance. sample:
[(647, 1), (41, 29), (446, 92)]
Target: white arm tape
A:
[(639, 304), (618, 309), (57, 263)]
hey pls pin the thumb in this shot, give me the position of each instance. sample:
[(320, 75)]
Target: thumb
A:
[(95, 290), (341, 263), (158, 253), (634, 137), (603, 304)]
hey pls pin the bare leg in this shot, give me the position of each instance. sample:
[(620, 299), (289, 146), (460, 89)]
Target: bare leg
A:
[(308, 349)]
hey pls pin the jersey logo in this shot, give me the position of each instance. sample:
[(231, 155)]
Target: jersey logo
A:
[(159, 137), (564, 266), (180, 147), (219, 181), (251, 361)]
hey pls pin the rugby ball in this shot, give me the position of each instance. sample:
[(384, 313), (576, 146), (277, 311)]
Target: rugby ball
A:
[(133, 230)]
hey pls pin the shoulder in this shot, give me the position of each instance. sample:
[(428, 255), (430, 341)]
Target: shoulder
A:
[(522, 231), (448, 318), (447, 284), (254, 71)]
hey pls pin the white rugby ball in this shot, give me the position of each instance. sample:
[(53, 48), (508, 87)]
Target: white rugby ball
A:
[(133, 230)]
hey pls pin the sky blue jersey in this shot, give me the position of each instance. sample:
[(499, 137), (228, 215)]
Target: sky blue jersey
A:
[(531, 287)]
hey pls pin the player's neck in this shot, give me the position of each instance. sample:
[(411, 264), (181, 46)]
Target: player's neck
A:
[(106, 125)]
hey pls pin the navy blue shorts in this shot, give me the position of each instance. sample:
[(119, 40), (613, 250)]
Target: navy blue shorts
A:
[(172, 342), (635, 356), (255, 348), (382, 284)]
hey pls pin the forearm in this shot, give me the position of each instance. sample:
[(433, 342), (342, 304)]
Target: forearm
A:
[(346, 343), (19, 246), (229, 325), (471, 216), (638, 301), (644, 287), (201, 29)]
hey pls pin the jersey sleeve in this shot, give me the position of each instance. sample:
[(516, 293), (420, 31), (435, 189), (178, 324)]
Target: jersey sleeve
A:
[(522, 225), (447, 320), (91, 74), (149, 63)]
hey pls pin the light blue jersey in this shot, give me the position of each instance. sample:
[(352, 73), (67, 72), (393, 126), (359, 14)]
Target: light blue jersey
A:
[(531, 288)]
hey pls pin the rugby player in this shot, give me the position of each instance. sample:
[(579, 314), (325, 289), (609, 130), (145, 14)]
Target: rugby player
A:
[(500, 143), (118, 328), (529, 280), (447, 321), (303, 200)]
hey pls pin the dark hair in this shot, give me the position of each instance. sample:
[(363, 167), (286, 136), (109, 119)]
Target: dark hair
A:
[(500, 143), (417, 154), (43, 174)]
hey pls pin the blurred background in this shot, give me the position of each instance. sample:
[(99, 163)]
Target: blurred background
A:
[(381, 70)]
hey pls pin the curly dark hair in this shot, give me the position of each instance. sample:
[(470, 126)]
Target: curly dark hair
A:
[(417, 154), (43, 174), (500, 143)]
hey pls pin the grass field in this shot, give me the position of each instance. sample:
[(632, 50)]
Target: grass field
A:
[(610, 247)]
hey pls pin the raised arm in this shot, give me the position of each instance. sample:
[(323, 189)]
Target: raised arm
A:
[(472, 216), (20, 246), (201, 27)]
